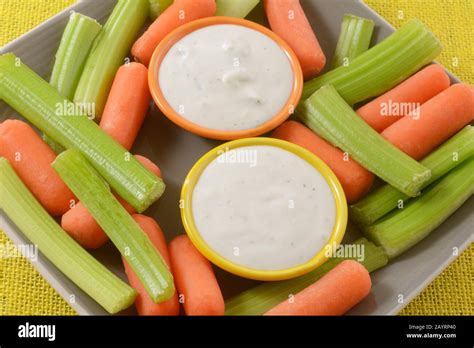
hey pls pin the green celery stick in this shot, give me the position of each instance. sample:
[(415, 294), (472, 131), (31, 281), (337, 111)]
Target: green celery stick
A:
[(52, 144), (108, 53), (402, 229), (117, 223), (157, 7), (235, 8), (69, 257), (354, 39), (381, 67), (260, 299), (70, 59), (72, 53), (258, 15), (43, 106), (386, 198), (327, 114)]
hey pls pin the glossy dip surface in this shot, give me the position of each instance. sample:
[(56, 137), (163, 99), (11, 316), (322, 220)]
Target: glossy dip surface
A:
[(226, 77), (263, 207)]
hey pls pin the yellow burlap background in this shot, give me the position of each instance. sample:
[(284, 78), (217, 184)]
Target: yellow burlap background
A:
[(24, 292)]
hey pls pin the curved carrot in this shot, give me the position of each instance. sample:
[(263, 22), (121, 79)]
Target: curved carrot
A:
[(81, 225), (438, 119), (195, 279), (418, 89), (288, 20), (31, 158), (179, 13), (127, 104), (334, 294), (143, 302), (355, 179)]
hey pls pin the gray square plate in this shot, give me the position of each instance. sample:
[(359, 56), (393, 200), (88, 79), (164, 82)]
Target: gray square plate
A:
[(175, 151)]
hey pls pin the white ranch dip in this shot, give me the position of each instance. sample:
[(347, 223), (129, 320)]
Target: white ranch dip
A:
[(263, 207), (226, 77)]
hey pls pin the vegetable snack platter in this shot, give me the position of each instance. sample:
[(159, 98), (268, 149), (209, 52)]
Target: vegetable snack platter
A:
[(176, 150)]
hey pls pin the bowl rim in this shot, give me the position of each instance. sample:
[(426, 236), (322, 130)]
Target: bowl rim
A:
[(318, 259), (165, 45)]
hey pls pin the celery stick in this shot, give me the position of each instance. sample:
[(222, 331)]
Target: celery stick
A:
[(260, 299), (235, 8), (108, 53), (117, 223), (72, 53), (402, 229), (43, 106), (69, 257), (258, 15), (52, 144), (386, 198), (327, 114), (158, 6), (354, 39), (71, 57), (381, 67)]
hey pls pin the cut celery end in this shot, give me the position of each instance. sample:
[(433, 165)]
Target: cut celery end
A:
[(354, 39), (260, 299), (383, 66), (43, 106), (327, 114), (72, 53), (158, 6), (235, 8), (69, 257), (117, 223), (402, 229), (386, 198), (108, 52)]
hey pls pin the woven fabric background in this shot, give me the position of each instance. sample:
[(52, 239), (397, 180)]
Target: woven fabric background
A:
[(24, 292)]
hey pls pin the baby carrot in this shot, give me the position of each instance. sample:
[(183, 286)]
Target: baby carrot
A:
[(143, 302), (415, 90), (195, 279), (288, 20), (31, 158), (83, 228), (81, 225), (434, 122), (355, 179), (149, 165), (127, 104), (334, 294), (179, 13)]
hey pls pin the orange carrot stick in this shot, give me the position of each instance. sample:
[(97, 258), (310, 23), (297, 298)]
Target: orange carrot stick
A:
[(416, 90), (127, 104), (195, 279), (143, 302), (334, 294), (288, 20), (31, 158), (81, 225), (436, 121), (355, 179), (179, 13)]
